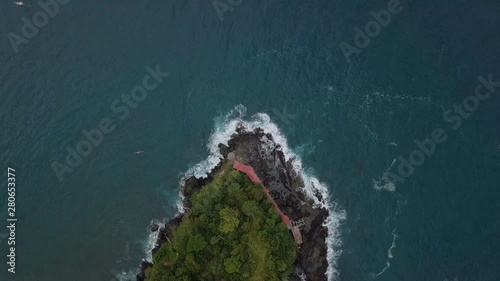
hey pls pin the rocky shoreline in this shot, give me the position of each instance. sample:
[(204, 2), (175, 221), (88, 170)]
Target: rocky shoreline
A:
[(258, 149)]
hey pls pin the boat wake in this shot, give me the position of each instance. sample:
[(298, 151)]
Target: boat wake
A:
[(226, 125)]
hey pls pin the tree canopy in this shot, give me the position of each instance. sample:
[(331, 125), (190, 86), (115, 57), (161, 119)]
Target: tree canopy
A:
[(231, 232)]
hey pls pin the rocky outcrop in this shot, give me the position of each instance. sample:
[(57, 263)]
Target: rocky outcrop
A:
[(144, 266), (258, 149)]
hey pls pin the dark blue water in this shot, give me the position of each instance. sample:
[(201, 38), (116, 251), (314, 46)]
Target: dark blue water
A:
[(349, 122)]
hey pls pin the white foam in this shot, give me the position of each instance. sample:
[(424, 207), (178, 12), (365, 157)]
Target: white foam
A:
[(400, 97), (390, 255), (333, 240), (393, 144), (179, 204), (125, 275), (385, 182), (150, 243), (225, 127)]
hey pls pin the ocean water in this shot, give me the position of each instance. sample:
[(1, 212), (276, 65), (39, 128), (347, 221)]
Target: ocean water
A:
[(274, 63)]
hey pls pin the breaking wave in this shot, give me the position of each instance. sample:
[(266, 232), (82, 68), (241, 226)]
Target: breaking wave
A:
[(150, 243), (226, 125), (385, 182)]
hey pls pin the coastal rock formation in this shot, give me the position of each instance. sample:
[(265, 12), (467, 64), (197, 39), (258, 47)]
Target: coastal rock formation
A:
[(258, 150)]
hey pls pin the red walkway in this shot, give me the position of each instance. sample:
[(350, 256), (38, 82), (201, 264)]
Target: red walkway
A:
[(253, 177)]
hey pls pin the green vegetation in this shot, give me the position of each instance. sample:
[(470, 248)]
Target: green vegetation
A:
[(232, 232)]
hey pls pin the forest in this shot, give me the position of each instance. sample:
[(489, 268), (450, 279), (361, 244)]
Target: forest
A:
[(230, 232)]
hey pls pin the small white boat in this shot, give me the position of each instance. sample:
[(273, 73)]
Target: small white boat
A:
[(21, 4)]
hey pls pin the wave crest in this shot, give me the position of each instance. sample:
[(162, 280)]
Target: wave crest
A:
[(225, 127)]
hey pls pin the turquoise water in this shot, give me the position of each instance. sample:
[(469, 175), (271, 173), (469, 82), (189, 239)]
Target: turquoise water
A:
[(347, 122)]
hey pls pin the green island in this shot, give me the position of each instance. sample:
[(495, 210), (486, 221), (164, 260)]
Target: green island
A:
[(230, 232)]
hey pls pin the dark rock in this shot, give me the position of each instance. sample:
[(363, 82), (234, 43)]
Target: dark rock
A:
[(224, 150), (165, 233), (169, 227), (144, 266), (160, 239), (259, 150), (154, 227)]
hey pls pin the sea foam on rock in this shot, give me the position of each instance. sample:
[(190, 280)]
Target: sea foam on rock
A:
[(259, 149)]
